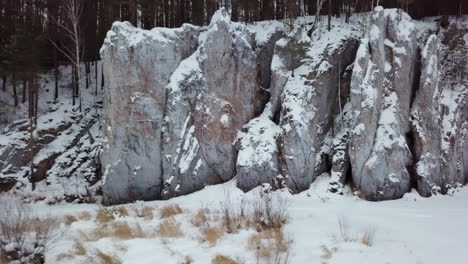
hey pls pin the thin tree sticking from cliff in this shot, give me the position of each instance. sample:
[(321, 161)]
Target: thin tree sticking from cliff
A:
[(71, 26)]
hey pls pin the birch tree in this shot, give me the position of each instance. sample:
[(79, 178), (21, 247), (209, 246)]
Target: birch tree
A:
[(70, 25)]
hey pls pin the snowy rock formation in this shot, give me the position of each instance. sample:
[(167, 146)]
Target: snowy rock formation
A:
[(381, 88), (370, 103)]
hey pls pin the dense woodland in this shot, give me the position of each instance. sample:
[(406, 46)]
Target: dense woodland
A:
[(40, 35)]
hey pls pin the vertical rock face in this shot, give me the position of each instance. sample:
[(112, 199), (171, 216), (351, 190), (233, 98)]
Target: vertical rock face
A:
[(439, 114), (303, 102), (195, 106), (381, 89), (426, 120), (210, 97), (176, 100), (138, 65)]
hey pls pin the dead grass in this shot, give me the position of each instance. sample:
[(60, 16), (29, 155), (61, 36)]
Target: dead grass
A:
[(120, 229), (187, 260), (104, 215), (212, 235), (122, 211), (170, 210), (69, 219), (270, 245), (220, 259), (63, 256), (169, 228), (100, 257), (368, 238), (85, 216), (147, 213), (80, 250), (327, 252), (200, 218)]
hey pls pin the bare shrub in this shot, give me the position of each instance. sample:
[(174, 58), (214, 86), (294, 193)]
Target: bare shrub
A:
[(269, 210), (230, 215), (212, 234), (220, 259), (23, 238), (170, 210), (169, 228), (270, 245)]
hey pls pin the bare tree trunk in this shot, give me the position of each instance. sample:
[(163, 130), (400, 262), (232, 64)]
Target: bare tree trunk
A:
[(15, 94), (102, 76), (96, 75), (329, 14), (31, 132), (25, 86), (4, 79), (87, 74), (56, 76), (73, 86)]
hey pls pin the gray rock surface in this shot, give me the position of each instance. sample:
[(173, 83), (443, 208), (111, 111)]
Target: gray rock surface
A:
[(193, 106), (439, 114), (138, 65), (381, 89)]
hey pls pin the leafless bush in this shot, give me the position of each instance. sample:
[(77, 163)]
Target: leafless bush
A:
[(24, 238), (271, 245), (231, 218)]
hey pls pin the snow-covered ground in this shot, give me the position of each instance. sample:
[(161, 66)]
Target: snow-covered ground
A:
[(409, 230)]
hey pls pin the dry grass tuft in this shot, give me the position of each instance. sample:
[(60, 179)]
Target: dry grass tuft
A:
[(200, 218), (103, 258), (120, 229), (220, 259), (122, 211), (270, 245), (148, 213), (368, 238), (85, 216), (169, 228), (63, 256), (104, 215), (69, 219), (187, 260), (170, 210), (212, 234), (327, 252), (80, 250)]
